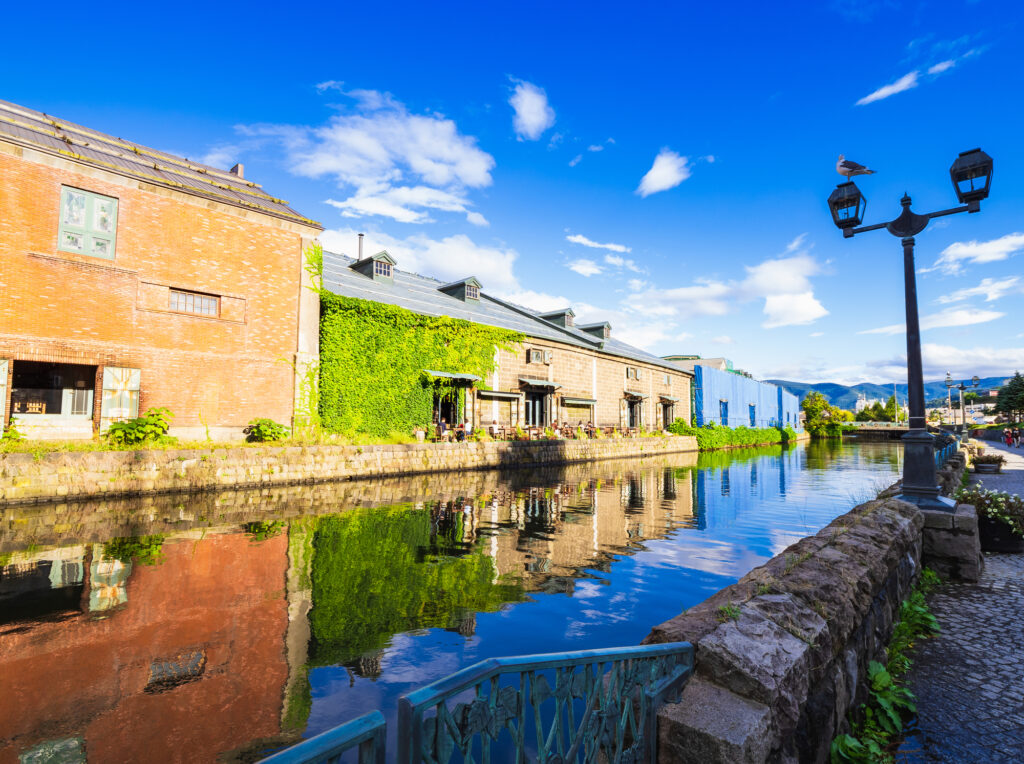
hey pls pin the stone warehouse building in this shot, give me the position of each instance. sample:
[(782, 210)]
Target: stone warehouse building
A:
[(131, 278), (562, 372)]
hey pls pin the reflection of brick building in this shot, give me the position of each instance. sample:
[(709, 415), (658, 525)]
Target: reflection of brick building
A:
[(192, 665), (132, 278)]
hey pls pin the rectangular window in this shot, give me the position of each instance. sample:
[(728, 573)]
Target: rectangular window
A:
[(535, 356), (723, 413), (753, 415), (631, 373), (472, 292), (668, 380), (380, 268), (194, 302), (88, 223)]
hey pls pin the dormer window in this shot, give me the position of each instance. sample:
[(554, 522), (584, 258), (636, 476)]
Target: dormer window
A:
[(381, 268), (472, 292), (465, 290)]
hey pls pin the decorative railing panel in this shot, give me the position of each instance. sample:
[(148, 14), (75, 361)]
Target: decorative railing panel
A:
[(587, 706), (365, 734)]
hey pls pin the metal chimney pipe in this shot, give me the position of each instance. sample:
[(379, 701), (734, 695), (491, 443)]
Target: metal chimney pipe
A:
[(360, 247)]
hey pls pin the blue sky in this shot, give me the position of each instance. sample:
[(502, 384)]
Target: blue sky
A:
[(663, 168)]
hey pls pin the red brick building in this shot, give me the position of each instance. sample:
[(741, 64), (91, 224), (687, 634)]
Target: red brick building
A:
[(131, 278)]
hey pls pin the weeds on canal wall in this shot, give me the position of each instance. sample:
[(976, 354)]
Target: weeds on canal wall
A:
[(880, 723)]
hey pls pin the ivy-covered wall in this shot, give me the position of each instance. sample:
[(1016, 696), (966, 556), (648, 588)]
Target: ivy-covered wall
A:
[(372, 358)]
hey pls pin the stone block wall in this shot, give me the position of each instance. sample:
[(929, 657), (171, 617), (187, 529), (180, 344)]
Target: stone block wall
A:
[(782, 655), (79, 475)]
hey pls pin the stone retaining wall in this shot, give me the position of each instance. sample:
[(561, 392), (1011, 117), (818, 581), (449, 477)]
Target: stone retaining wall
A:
[(782, 655), (89, 474)]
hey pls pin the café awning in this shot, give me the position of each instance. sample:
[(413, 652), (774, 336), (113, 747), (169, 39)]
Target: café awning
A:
[(579, 401), (530, 382), (501, 395), (448, 375), (632, 394), (669, 398)]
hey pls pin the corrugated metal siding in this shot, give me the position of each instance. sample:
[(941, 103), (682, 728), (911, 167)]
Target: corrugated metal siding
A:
[(712, 387)]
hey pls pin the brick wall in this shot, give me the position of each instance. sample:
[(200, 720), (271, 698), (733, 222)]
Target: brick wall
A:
[(71, 308)]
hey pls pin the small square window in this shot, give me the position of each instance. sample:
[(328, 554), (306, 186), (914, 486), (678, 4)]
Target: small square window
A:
[(88, 223), (472, 292), (380, 268), (195, 303)]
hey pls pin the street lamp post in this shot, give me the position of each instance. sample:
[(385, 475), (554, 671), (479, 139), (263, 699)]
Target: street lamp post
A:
[(971, 175), (963, 411), (949, 398)]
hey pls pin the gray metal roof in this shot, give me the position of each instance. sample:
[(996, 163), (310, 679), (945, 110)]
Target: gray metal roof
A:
[(27, 127), (423, 295)]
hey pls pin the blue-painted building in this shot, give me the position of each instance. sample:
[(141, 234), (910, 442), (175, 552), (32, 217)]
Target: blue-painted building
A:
[(730, 399)]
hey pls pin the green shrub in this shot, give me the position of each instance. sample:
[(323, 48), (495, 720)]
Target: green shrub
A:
[(12, 434), (264, 431), (151, 426), (712, 436)]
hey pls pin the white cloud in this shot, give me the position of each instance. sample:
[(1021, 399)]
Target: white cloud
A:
[(477, 219), (595, 147), (960, 362), (991, 289), (447, 259), (635, 285), (943, 319), (581, 239), (906, 82), (393, 163), (817, 334), (533, 114), (952, 258), (792, 310), (585, 267), (575, 160), (668, 171), (942, 66), (710, 159), (539, 301), (623, 262), (783, 283), (723, 340), (222, 157)]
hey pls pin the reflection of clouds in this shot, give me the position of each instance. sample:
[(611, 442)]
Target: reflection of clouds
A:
[(587, 590)]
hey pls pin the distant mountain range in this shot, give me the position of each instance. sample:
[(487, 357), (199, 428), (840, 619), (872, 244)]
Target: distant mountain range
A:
[(845, 396)]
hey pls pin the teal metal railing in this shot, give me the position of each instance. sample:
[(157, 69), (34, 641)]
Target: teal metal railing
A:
[(944, 452), (365, 734), (586, 706)]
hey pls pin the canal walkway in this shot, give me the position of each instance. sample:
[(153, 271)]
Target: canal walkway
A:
[(969, 679)]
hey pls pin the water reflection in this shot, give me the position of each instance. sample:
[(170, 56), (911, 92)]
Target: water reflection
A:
[(217, 627)]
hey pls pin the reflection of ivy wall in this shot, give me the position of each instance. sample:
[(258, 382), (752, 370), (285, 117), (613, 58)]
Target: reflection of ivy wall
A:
[(372, 358), (380, 571)]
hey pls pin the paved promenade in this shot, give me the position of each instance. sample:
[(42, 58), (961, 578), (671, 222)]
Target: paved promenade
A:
[(969, 680)]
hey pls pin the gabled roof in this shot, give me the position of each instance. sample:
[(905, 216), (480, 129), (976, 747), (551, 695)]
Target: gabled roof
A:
[(381, 256), (471, 280), (34, 129), (423, 295)]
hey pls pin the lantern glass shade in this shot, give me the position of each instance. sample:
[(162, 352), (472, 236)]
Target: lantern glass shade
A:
[(975, 381), (971, 174), (847, 205), (949, 380)]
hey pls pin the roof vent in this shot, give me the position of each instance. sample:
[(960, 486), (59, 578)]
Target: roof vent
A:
[(564, 317), (238, 169), (467, 290), (601, 330), (379, 267)]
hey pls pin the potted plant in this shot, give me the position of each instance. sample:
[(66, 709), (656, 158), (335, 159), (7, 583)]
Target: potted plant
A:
[(988, 464), (1000, 518)]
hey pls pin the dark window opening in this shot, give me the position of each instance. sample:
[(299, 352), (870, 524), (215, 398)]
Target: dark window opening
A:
[(534, 413), (53, 389), (635, 415), (723, 413)]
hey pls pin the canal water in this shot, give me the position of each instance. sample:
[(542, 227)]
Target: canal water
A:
[(221, 627)]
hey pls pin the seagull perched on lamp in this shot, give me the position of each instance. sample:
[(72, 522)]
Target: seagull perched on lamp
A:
[(848, 169)]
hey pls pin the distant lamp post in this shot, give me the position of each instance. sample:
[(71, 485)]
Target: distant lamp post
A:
[(963, 411), (949, 397), (971, 175)]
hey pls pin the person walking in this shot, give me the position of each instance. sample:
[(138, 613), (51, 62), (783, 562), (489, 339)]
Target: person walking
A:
[(1016, 437)]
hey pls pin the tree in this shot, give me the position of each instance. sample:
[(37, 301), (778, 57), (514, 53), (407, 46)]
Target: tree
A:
[(823, 419), (1011, 398), (890, 409), (877, 412)]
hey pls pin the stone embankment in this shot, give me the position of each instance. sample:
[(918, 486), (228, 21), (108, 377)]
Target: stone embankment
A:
[(61, 476), (782, 655)]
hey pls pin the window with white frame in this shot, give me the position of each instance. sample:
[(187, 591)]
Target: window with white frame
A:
[(381, 268), (194, 302), (87, 224), (472, 292), (533, 355)]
